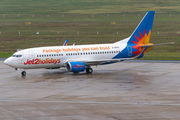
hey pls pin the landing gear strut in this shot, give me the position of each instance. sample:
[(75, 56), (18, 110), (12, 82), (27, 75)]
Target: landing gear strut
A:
[(23, 73), (89, 70)]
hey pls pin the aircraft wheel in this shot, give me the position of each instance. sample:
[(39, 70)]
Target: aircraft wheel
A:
[(23, 73), (89, 70)]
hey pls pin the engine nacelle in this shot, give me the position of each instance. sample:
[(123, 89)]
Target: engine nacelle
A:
[(75, 66)]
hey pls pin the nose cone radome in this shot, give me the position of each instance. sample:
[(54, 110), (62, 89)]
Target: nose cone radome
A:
[(8, 62)]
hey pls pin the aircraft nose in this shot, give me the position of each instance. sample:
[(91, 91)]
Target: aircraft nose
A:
[(8, 62)]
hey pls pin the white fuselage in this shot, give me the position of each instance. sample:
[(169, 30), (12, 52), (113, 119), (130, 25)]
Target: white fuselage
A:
[(57, 56)]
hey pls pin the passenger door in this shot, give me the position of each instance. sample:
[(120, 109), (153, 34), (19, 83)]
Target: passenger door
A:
[(31, 55)]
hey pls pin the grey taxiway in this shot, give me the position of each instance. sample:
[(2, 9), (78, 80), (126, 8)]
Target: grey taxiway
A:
[(126, 90)]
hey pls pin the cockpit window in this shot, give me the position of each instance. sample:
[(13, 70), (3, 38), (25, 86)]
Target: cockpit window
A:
[(17, 56)]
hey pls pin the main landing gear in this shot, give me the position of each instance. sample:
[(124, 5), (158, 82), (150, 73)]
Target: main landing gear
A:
[(89, 70), (23, 73)]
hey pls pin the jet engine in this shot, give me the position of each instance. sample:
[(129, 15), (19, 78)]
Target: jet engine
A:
[(75, 66)]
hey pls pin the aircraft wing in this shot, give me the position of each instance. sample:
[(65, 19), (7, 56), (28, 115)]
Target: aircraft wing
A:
[(99, 62)]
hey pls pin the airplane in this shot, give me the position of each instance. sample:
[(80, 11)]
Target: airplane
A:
[(79, 58)]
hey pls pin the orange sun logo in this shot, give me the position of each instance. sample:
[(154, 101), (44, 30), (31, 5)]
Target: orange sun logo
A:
[(143, 40)]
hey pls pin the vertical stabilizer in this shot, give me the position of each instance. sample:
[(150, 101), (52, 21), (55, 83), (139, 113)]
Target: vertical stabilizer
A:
[(142, 33), (137, 42)]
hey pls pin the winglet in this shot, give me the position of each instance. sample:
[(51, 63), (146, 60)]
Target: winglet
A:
[(65, 43)]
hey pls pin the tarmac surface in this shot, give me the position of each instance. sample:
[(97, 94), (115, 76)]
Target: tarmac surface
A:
[(120, 91)]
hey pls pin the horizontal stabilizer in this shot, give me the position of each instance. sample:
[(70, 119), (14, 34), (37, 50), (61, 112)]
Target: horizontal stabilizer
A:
[(150, 45)]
